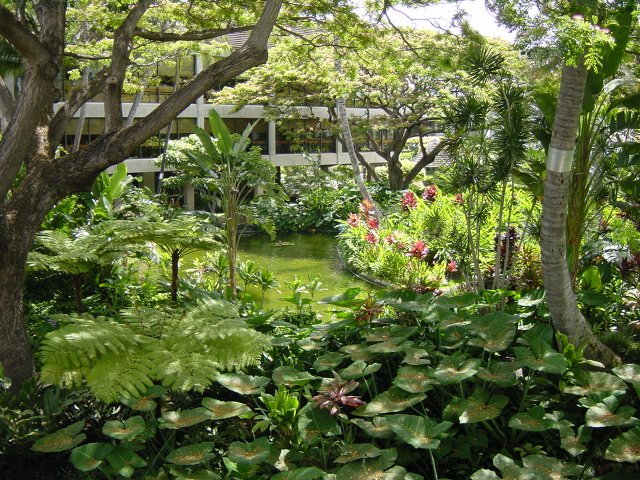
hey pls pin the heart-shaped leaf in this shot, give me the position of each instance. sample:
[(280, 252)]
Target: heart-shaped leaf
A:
[(290, 377), (541, 357), (376, 429), (127, 430), (197, 475), (305, 473), (550, 467), (359, 369), (414, 379), (61, 440), (629, 373), (145, 403), (456, 368), (356, 451), (250, 453), (493, 332), (242, 383), (575, 444), (626, 447), (597, 382), (184, 418), (125, 461), (357, 351), (385, 334), (328, 361), (220, 410), (480, 407), (501, 373), (416, 356), (609, 413), (533, 420), (314, 423), (90, 456), (191, 454), (419, 432), (393, 400)]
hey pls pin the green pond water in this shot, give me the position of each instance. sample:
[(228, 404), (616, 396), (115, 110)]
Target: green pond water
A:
[(302, 255)]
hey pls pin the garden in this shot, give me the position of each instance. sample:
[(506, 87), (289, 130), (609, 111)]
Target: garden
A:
[(465, 307)]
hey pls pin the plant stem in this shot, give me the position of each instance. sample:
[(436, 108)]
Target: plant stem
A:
[(433, 465)]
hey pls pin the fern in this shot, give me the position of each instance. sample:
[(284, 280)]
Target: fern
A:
[(124, 357)]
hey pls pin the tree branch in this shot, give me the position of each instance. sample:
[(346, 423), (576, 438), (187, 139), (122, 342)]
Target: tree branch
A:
[(7, 102), (22, 39), (426, 159), (190, 36)]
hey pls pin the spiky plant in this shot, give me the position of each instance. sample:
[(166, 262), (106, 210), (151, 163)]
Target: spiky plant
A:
[(122, 358)]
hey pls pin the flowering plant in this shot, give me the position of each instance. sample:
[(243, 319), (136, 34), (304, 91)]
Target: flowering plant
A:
[(334, 395)]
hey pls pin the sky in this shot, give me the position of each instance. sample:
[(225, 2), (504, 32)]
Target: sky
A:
[(426, 17)]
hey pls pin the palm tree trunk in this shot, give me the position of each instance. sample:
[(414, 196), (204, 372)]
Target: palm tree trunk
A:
[(558, 287)]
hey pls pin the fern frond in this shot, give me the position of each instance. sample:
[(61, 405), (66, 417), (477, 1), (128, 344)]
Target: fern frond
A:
[(181, 370), (118, 375)]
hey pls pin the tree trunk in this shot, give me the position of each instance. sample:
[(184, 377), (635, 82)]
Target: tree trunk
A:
[(560, 296), (396, 177), (77, 291), (175, 264)]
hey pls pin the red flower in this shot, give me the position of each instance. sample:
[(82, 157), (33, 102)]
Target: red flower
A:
[(366, 208), (390, 239), (334, 396), (353, 220), (419, 250), (371, 237), (373, 222), (458, 199), (452, 266), (430, 193), (409, 201)]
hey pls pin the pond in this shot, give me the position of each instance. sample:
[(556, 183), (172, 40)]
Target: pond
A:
[(305, 256)]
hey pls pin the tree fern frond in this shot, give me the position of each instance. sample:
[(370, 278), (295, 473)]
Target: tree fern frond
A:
[(181, 370), (118, 375)]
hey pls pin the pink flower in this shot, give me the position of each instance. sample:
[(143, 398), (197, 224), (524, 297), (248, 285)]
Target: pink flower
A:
[(419, 250), (452, 266), (390, 239), (353, 220), (334, 396), (430, 193), (371, 237), (409, 201), (373, 222), (458, 199)]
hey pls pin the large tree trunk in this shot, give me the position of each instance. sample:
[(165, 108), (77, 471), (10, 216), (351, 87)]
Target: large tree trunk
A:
[(396, 176), (558, 287)]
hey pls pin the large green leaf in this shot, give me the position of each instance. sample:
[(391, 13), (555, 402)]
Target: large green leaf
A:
[(220, 410), (415, 379), (626, 447), (125, 461), (145, 403), (533, 420), (305, 473), (393, 400), (551, 468), (480, 407), (368, 469), (416, 356), (290, 377), (314, 423), (190, 454), (90, 456), (242, 383), (328, 361), (541, 357), (61, 440), (357, 451), (385, 334), (609, 413), (359, 369), (377, 428), (575, 443), (250, 453), (221, 132), (501, 373), (127, 430), (419, 432), (456, 368), (629, 373), (201, 474), (493, 332), (184, 418), (597, 382), (358, 352)]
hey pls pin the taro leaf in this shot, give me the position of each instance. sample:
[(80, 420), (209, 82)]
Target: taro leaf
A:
[(357, 451), (575, 444), (532, 298), (456, 368), (419, 432), (485, 474), (90, 456), (357, 352), (309, 345), (629, 373), (197, 475), (385, 334), (541, 357), (510, 470), (242, 383), (500, 373), (493, 332), (359, 369), (377, 429), (416, 356), (191, 454), (290, 377), (61, 440), (540, 332), (305, 473), (390, 346), (315, 422), (345, 299), (459, 301), (480, 407), (626, 447), (393, 400), (370, 468), (443, 317), (250, 453), (219, 409), (145, 403), (533, 420), (609, 413), (184, 418), (328, 361), (550, 467), (127, 430), (598, 382), (125, 461), (414, 379)]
